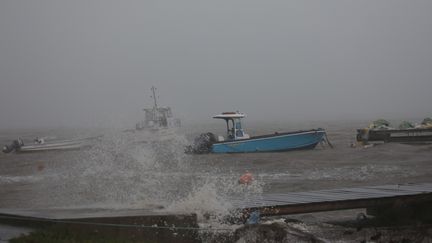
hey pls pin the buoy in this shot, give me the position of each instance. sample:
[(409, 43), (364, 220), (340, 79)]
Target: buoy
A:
[(247, 178)]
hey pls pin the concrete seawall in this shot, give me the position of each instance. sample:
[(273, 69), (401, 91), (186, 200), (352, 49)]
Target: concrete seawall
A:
[(130, 225)]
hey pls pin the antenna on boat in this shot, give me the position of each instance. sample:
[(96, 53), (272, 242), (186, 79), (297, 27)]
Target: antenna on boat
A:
[(154, 96)]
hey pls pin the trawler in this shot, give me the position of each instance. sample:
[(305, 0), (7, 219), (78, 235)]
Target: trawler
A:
[(157, 117)]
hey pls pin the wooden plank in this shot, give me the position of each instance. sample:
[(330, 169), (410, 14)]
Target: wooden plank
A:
[(367, 194), (313, 195), (297, 196), (338, 197), (328, 197), (294, 198), (398, 192), (427, 188), (287, 200), (290, 197), (345, 196), (341, 205), (374, 191)]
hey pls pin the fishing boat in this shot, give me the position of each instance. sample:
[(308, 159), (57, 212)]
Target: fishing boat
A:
[(237, 141), (157, 117)]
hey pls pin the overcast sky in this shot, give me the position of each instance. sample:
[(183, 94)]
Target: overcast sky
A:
[(88, 62)]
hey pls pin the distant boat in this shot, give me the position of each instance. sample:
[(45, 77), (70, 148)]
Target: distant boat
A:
[(237, 141), (39, 145), (157, 117), (380, 131), (19, 147)]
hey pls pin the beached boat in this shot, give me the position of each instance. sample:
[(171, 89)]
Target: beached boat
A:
[(381, 131), (39, 145), (237, 141)]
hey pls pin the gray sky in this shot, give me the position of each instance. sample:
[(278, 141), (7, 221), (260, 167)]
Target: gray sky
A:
[(89, 63)]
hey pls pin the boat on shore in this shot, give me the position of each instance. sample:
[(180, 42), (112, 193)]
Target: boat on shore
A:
[(39, 145), (237, 141), (381, 131)]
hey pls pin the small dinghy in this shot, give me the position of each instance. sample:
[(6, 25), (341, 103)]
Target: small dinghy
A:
[(237, 141)]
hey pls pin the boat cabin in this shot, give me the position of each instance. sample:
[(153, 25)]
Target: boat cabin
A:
[(158, 117), (234, 128)]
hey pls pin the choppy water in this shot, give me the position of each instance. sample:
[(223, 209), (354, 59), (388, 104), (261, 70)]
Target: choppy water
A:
[(150, 170)]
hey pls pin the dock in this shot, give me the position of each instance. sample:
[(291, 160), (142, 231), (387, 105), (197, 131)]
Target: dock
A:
[(369, 197), (135, 224)]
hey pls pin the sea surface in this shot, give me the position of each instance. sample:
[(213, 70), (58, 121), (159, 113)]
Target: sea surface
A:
[(134, 170)]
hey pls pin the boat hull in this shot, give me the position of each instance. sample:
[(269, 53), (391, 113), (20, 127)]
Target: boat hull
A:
[(272, 143), (409, 136), (64, 145)]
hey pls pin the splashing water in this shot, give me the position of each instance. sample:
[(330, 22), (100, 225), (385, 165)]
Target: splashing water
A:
[(135, 171), (145, 170)]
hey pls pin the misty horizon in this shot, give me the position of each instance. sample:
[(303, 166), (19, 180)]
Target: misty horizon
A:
[(86, 64)]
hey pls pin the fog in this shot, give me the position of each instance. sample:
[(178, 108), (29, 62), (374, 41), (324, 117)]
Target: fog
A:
[(92, 63)]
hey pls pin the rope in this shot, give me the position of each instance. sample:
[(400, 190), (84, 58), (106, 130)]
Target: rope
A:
[(328, 141), (111, 225)]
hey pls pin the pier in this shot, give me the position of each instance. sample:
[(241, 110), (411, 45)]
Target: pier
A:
[(179, 227), (369, 197)]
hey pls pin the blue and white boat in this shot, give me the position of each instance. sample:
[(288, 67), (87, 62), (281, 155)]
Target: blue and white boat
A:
[(237, 141)]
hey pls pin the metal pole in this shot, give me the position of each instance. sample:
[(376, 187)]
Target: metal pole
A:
[(154, 96)]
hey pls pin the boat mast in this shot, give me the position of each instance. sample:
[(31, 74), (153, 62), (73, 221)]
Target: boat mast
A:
[(154, 96), (155, 115)]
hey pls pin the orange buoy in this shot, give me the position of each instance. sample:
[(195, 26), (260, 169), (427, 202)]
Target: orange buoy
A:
[(247, 178)]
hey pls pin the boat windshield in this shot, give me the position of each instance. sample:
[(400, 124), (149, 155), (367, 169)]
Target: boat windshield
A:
[(230, 128), (234, 128), (238, 124)]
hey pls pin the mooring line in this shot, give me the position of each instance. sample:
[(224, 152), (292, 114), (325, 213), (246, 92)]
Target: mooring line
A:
[(327, 140), (111, 225)]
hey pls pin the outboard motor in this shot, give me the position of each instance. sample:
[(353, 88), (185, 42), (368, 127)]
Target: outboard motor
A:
[(7, 149), (202, 144), (362, 135), (15, 146)]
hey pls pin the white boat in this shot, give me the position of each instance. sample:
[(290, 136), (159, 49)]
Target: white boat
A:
[(18, 146), (157, 117), (51, 146)]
